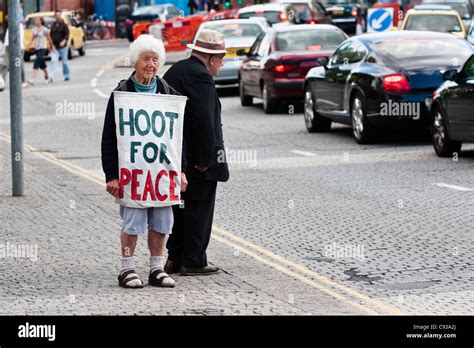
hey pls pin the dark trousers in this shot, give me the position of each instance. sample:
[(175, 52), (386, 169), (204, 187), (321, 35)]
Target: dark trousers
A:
[(40, 62), (192, 224)]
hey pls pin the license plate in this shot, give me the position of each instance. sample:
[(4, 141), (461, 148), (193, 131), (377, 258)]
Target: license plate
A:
[(232, 52), (336, 10)]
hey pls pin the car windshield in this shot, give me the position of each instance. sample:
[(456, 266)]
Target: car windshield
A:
[(272, 17), (148, 10), (308, 40), (430, 22), (48, 21), (459, 7), (237, 29), (423, 52), (301, 11)]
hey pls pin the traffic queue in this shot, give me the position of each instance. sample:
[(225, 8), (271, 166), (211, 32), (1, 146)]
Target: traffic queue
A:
[(370, 65), (413, 68)]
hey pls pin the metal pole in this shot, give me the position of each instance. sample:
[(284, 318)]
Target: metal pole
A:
[(16, 120)]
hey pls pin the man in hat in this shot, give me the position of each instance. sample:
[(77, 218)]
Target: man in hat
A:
[(205, 156)]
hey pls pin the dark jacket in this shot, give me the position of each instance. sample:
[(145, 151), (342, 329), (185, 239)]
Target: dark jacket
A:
[(202, 119), (109, 150), (59, 32)]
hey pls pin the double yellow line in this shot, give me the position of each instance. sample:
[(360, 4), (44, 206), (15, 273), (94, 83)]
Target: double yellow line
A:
[(307, 276)]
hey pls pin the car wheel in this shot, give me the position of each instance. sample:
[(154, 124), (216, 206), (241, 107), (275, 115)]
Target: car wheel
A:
[(314, 122), (269, 104), (361, 130), (245, 100), (443, 145), (82, 50)]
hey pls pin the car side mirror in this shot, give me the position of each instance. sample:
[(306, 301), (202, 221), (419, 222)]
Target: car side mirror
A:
[(450, 75), (322, 61)]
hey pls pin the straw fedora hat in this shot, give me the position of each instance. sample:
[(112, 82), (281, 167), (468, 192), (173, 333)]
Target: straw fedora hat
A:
[(209, 41)]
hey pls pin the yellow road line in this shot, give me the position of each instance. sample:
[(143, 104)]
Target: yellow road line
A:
[(383, 307), (70, 167), (302, 269), (294, 275)]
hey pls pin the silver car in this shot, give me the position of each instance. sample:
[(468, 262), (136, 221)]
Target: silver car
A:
[(239, 35)]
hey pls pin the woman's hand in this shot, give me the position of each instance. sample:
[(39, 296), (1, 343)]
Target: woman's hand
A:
[(113, 187), (184, 182)]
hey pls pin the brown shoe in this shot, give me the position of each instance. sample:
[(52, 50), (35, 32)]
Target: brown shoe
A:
[(171, 267), (207, 270)]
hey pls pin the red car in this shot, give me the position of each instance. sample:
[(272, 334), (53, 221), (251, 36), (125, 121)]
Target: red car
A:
[(278, 61)]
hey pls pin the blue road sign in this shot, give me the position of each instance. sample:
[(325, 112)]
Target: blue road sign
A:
[(380, 19)]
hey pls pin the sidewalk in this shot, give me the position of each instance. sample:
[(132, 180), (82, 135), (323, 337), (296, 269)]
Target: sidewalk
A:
[(75, 226)]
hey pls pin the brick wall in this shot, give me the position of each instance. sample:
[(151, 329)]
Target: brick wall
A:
[(86, 6)]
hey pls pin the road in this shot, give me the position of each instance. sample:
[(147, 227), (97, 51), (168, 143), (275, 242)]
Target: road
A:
[(383, 228)]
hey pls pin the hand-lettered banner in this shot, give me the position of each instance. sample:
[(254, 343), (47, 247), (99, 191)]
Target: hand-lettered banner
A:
[(149, 131)]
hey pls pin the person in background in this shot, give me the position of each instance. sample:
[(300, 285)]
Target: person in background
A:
[(21, 16), (5, 66), (41, 38), (60, 36)]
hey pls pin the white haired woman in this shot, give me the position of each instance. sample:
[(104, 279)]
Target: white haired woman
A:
[(147, 54)]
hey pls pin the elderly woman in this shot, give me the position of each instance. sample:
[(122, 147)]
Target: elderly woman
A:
[(147, 54)]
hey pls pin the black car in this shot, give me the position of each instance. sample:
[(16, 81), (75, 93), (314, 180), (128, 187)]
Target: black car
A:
[(380, 80), (452, 111), (348, 14)]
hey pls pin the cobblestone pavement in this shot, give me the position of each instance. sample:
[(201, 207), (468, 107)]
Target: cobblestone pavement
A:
[(75, 227), (293, 201)]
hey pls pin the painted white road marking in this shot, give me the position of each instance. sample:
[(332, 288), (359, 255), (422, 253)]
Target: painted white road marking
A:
[(304, 153), (107, 66), (100, 93), (453, 187)]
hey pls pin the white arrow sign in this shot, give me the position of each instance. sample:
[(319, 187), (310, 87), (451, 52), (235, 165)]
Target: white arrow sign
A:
[(377, 23), (379, 19)]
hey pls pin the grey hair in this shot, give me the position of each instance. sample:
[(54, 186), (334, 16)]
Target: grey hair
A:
[(147, 43)]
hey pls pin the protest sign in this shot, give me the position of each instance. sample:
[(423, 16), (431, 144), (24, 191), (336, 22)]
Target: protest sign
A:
[(149, 130)]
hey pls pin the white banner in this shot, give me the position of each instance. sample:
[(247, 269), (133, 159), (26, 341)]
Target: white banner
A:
[(149, 131)]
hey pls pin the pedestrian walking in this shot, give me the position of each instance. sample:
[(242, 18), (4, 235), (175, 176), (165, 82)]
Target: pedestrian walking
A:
[(205, 156), (41, 39), (146, 55), (5, 65), (60, 36)]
